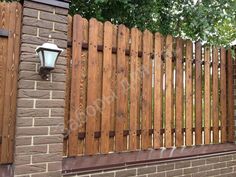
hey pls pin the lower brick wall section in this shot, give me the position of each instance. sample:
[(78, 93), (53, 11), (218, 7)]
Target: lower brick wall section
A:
[(218, 166)]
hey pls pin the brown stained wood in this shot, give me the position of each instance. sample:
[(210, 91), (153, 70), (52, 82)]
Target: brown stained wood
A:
[(147, 89), (68, 86), (122, 89), (189, 93), (179, 92), (98, 102), (169, 93), (14, 78), (3, 53), (158, 91), (230, 96), (8, 114), (107, 87), (83, 88), (114, 94), (215, 97), (140, 65), (207, 97), (127, 76), (93, 90), (134, 88), (223, 100), (76, 114), (198, 92)]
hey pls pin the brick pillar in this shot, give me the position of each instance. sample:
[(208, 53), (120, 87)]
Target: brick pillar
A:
[(40, 103)]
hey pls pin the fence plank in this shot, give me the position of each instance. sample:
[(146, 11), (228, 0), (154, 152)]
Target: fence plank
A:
[(140, 63), (215, 96), (147, 89), (207, 96), (75, 85), (198, 90), (14, 77), (93, 91), (169, 93), (230, 96), (122, 85), (83, 88), (223, 100), (158, 91), (98, 102), (134, 88), (7, 113), (68, 86), (3, 59), (114, 61), (189, 93), (179, 92), (107, 90), (127, 76)]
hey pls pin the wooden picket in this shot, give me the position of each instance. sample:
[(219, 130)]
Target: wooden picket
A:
[(179, 92), (215, 98), (198, 97), (189, 93), (223, 100), (207, 97), (132, 90), (158, 91), (10, 30)]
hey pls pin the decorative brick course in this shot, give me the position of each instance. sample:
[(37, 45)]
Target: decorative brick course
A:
[(39, 140), (188, 168)]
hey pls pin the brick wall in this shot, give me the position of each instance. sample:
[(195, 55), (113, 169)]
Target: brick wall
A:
[(218, 166), (40, 103)]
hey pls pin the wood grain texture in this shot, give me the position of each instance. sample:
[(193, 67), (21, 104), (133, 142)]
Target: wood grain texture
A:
[(179, 92), (3, 59), (230, 96), (76, 113), (215, 97), (127, 76), (189, 93), (147, 89), (134, 88), (114, 90), (107, 87), (68, 85), (122, 88), (223, 100), (93, 90), (10, 19), (207, 97), (169, 93), (198, 93), (158, 91)]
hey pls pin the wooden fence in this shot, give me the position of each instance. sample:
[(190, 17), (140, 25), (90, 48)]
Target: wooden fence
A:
[(10, 26), (130, 90)]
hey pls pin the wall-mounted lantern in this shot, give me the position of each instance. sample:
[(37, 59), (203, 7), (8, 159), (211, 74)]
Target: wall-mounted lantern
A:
[(48, 54)]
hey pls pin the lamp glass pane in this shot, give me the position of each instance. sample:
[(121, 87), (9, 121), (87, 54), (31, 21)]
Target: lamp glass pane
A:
[(50, 58), (41, 57)]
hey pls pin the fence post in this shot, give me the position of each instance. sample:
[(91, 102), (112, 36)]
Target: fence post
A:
[(234, 91), (40, 103)]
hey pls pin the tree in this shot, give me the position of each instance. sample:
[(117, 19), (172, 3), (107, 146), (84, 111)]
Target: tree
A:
[(213, 21)]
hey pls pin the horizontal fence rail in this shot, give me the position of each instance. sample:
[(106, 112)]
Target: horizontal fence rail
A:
[(10, 28), (129, 90)]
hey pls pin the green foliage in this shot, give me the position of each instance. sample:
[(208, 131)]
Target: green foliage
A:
[(213, 21), (210, 20)]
